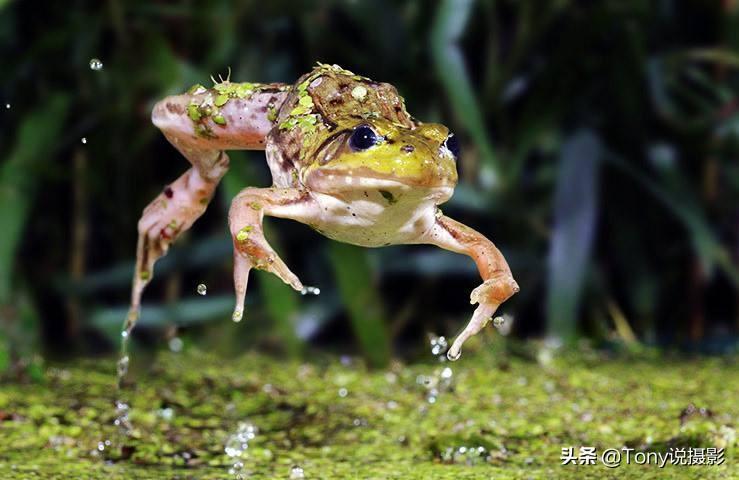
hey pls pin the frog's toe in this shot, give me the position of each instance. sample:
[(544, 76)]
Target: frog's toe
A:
[(480, 318)]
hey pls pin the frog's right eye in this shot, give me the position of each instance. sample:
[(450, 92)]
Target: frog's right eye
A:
[(452, 144), (363, 137)]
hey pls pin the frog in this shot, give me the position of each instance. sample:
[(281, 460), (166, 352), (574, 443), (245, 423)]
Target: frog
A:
[(346, 159)]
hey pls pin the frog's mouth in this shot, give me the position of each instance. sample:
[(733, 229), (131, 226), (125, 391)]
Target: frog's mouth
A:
[(342, 179)]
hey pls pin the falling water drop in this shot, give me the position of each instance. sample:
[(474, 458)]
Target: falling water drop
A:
[(202, 289), (237, 444), (96, 64), (123, 366), (498, 322), (296, 472), (175, 344), (7, 106), (237, 315), (310, 290), (84, 140)]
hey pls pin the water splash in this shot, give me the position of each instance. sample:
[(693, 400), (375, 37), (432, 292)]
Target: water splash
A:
[(202, 289), (465, 455), (296, 472), (439, 346), (121, 420), (96, 64), (122, 408), (441, 379), (236, 446), (310, 290), (122, 366)]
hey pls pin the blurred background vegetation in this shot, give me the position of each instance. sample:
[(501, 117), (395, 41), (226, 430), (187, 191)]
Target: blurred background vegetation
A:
[(600, 146)]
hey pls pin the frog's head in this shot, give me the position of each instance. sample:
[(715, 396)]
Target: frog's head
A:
[(377, 152), (357, 133)]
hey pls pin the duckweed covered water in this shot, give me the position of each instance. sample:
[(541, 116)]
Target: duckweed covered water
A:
[(197, 416)]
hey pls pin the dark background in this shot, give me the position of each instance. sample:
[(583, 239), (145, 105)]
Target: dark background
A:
[(600, 144)]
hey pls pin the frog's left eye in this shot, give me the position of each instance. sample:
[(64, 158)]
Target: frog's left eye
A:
[(452, 144), (363, 137)]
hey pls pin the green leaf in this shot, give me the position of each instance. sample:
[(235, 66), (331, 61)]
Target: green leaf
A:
[(449, 23), (353, 278), (38, 136), (575, 208), (687, 211)]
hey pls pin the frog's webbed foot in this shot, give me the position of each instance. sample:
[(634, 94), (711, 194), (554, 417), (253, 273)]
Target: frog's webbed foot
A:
[(251, 249), (498, 283), (170, 214), (489, 295)]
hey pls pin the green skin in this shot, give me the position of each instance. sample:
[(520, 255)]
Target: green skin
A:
[(387, 194)]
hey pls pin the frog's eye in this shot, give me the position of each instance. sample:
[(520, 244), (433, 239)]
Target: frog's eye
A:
[(452, 144), (363, 137)]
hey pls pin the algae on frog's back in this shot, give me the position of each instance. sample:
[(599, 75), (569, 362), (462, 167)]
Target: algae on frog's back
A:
[(208, 103)]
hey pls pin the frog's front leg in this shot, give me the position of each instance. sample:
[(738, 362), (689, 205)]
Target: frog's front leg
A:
[(251, 250), (498, 283)]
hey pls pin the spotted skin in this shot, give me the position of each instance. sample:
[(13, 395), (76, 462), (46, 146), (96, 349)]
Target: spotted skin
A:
[(382, 190)]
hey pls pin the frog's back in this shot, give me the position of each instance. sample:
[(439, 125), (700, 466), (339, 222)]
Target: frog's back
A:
[(326, 101)]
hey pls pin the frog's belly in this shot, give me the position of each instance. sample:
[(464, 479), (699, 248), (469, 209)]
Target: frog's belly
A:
[(369, 219)]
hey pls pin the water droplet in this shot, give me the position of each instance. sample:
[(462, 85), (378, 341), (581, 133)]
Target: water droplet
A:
[(166, 414), (237, 316), (447, 373), (310, 290), (84, 140), (101, 446), (96, 64), (438, 347), (296, 472), (7, 106), (175, 344), (237, 443), (498, 322), (343, 392), (124, 334), (202, 289), (123, 366)]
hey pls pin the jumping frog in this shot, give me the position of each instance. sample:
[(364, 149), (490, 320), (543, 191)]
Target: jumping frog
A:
[(346, 159)]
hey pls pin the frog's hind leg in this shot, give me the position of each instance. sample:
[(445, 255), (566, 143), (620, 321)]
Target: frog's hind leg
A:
[(189, 123), (169, 215), (251, 250)]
